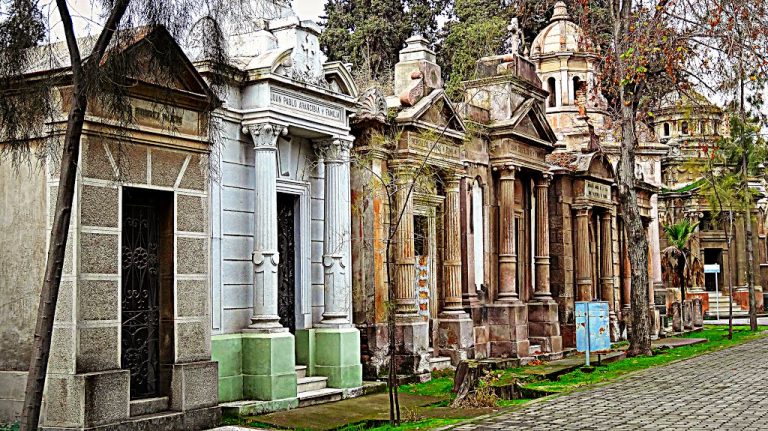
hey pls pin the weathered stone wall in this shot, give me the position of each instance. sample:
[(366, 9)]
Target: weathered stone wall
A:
[(562, 254), (22, 253)]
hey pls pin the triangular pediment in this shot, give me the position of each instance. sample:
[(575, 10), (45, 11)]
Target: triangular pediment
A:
[(436, 110), (155, 49), (529, 120)]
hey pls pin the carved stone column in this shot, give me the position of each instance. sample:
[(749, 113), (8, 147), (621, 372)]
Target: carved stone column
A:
[(411, 331), (405, 257), (452, 256), (583, 260), (335, 333), (542, 292), (455, 334), (265, 338), (606, 270), (265, 255), (336, 238), (543, 318), (507, 245), (507, 317)]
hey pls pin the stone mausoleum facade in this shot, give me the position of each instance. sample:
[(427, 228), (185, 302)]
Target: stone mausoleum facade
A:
[(470, 260), (691, 127), (587, 233), (280, 233), (131, 338)]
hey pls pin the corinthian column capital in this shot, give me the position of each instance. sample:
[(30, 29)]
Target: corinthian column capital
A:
[(333, 150), (544, 180), (265, 135)]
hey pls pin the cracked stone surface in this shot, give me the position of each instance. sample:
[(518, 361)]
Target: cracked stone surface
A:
[(725, 390)]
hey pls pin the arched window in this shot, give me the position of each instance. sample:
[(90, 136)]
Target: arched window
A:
[(684, 128), (579, 92), (478, 229), (552, 88), (666, 129)]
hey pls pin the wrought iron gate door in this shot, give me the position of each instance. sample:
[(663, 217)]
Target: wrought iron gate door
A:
[(286, 270), (141, 299)]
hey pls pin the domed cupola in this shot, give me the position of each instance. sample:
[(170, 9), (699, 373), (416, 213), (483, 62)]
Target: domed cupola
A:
[(561, 35)]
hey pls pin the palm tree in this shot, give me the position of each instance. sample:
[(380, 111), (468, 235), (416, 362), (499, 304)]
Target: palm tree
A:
[(679, 236)]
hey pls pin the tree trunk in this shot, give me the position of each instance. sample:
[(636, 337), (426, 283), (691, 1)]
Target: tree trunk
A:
[(640, 334), (58, 243), (41, 348)]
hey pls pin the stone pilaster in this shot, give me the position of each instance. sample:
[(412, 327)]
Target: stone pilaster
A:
[(336, 239), (507, 245), (455, 336), (265, 254), (542, 292), (606, 270), (583, 260)]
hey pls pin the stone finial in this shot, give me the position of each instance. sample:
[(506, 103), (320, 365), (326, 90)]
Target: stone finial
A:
[(560, 13), (417, 48), (417, 57)]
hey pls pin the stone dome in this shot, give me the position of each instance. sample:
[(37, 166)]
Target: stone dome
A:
[(561, 35)]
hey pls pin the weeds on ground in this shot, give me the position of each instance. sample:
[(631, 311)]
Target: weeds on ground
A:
[(9, 427)]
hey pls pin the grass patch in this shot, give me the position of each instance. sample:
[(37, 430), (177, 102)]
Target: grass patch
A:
[(10, 427), (437, 387), (530, 376), (717, 337)]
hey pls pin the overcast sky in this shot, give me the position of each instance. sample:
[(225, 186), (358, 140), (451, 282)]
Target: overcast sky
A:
[(86, 18)]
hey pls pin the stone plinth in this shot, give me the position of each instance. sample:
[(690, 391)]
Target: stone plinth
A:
[(412, 347), (269, 367), (508, 330), (337, 356), (543, 326), (455, 338)]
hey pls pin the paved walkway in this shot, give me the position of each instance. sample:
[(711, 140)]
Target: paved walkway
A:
[(725, 390)]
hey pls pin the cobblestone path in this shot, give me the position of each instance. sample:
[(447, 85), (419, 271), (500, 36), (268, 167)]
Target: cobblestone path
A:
[(725, 390)]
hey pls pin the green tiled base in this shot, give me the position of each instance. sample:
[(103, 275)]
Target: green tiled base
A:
[(337, 356), (227, 350), (269, 367), (230, 388)]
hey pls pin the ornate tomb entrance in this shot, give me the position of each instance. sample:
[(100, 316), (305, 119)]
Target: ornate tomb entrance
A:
[(147, 280), (286, 269)]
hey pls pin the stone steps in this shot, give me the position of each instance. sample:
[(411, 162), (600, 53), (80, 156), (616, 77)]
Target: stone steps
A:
[(308, 384), (314, 390), (719, 304)]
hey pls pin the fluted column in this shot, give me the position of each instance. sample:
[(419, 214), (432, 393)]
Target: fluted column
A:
[(337, 227), (405, 258), (507, 246), (265, 255), (542, 292), (583, 260), (452, 257)]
